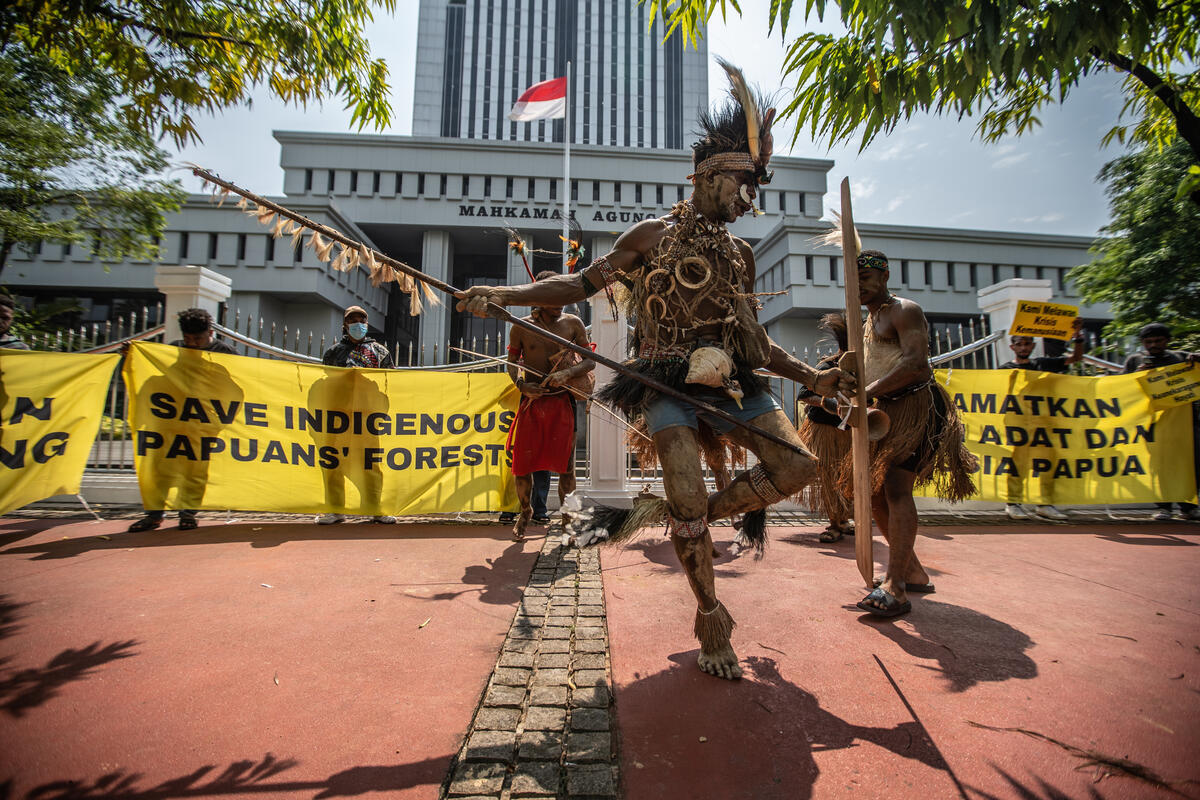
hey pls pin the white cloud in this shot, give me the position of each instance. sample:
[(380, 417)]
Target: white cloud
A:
[(896, 202), (1053, 216), (1008, 161)]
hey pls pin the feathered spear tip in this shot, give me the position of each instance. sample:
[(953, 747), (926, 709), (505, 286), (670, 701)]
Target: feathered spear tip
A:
[(739, 89), (833, 236), (431, 295)]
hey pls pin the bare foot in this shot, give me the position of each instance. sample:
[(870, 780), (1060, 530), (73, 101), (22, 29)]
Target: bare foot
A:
[(566, 520), (723, 663), (522, 523)]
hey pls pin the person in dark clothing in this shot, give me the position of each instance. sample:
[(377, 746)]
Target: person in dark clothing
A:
[(1022, 346), (355, 349), (196, 326), (7, 309), (1154, 353)]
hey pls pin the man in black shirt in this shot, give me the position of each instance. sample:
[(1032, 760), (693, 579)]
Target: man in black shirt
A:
[(1022, 346), (198, 334), (1154, 353)]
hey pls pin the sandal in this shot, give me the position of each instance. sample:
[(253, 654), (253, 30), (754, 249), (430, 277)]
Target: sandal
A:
[(188, 523), (919, 588), (830, 535), (888, 606), (145, 524)]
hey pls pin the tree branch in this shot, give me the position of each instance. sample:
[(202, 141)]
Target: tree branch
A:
[(170, 34), (1186, 122)]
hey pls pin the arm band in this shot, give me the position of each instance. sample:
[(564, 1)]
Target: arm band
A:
[(588, 288)]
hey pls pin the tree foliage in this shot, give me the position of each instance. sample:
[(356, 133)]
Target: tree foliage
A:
[(1000, 61), (1149, 267), (71, 170), (173, 58)]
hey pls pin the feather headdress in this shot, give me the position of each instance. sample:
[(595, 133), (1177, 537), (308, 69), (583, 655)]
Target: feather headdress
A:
[(737, 134)]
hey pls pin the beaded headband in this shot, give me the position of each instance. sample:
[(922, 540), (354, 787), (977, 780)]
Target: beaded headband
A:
[(875, 262)]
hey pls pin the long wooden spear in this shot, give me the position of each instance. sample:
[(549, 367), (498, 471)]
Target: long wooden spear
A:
[(859, 445), (498, 312)]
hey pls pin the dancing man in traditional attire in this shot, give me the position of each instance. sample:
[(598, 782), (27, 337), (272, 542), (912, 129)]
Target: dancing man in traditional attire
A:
[(690, 296), (543, 434), (821, 434), (925, 442)]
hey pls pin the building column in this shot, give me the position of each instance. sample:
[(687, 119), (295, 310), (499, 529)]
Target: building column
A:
[(437, 259), (607, 451), (999, 301), (189, 287)]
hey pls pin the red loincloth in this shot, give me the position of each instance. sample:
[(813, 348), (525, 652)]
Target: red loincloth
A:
[(543, 435)]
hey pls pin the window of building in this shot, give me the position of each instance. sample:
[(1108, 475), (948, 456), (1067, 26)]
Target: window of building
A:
[(617, 192), (487, 186), (904, 272), (442, 185), (329, 182), (553, 189), (308, 180), (833, 268), (241, 247), (212, 247), (508, 187), (808, 268), (531, 186), (595, 191), (973, 275), (658, 194), (678, 194), (466, 184), (353, 181), (929, 273), (270, 248), (783, 202), (375, 181), (637, 193), (574, 190), (183, 246), (421, 184)]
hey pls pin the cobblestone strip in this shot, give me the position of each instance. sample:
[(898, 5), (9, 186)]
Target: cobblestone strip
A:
[(544, 728)]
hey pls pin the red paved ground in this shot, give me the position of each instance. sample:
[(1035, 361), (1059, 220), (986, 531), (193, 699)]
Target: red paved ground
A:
[(1089, 636), (145, 665)]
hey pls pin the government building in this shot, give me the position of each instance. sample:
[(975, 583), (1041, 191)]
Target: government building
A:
[(442, 199)]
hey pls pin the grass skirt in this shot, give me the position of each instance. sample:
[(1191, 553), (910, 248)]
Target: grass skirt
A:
[(831, 447)]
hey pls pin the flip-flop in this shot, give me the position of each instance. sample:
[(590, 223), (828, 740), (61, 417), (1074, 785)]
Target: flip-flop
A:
[(891, 606), (188, 523), (829, 537), (146, 524), (918, 588)]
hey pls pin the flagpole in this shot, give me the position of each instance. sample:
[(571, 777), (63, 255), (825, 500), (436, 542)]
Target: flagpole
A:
[(566, 226)]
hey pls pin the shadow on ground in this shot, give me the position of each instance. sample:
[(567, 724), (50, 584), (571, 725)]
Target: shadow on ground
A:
[(242, 777), (28, 688), (985, 650), (767, 753), (264, 535)]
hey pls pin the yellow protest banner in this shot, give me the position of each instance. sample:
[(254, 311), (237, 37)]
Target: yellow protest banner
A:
[(50, 410), (1048, 439), (1048, 320), (214, 431), (1167, 387)]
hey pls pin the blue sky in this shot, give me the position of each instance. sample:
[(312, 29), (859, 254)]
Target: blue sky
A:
[(930, 171)]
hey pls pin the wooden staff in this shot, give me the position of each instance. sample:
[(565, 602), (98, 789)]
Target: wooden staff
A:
[(502, 314), (859, 445)]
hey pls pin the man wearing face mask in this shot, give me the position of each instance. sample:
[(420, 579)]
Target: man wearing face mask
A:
[(356, 349)]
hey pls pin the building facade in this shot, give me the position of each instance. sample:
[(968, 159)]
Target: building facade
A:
[(443, 199)]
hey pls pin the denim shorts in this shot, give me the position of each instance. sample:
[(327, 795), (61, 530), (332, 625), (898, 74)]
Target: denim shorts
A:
[(667, 412)]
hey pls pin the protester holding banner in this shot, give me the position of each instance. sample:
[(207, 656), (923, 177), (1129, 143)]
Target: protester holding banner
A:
[(924, 443), (1022, 346), (7, 309), (543, 435), (196, 326), (1154, 353), (355, 349)]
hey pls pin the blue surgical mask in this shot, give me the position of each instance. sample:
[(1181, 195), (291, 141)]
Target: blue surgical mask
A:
[(357, 330)]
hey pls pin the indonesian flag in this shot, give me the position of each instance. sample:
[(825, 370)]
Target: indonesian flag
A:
[(545, 100)]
